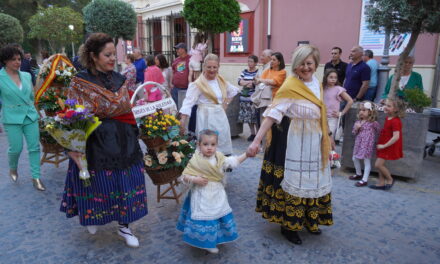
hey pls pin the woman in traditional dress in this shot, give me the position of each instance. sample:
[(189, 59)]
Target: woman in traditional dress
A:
[(212, 93), (295, 182), (117, 190)]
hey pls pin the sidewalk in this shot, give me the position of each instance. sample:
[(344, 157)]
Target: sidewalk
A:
[(397, 226)]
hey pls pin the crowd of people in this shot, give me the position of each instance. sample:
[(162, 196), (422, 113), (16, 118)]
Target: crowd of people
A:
[(293, 116)]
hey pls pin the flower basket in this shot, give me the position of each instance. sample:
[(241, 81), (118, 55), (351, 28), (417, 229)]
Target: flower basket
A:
[(160, 175), (155, 142)]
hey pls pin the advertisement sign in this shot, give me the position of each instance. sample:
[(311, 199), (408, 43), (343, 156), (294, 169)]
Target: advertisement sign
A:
[(238, 41), (375, 41)]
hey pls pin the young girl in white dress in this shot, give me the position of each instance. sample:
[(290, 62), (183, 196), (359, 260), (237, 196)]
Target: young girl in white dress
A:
[(206, 218)]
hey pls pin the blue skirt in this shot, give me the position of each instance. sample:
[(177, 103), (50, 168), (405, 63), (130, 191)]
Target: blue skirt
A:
[(205, 233), (117, 195)]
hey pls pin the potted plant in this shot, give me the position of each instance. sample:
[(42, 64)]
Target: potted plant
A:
[(166, 163), (417, 99), (157, 129)]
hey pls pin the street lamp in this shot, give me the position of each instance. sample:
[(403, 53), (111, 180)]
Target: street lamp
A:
[(71, 27)]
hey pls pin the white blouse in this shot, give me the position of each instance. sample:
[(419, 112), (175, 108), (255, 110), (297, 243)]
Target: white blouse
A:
[(194, 95)]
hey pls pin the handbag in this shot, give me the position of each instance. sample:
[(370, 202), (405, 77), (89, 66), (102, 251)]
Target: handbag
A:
[(262, 96)]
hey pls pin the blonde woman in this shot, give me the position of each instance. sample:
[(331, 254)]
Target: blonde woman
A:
[(212, 93), (295, 182)]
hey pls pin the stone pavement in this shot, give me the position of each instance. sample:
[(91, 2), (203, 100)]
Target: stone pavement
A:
[(397, 226)]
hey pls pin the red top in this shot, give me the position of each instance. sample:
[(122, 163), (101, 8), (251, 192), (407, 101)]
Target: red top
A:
[(180, 68), (393, 152)]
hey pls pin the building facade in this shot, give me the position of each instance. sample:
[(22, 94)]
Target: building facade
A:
[(280, 25)]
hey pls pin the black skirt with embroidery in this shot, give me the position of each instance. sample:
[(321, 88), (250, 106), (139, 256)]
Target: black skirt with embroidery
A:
[(278, 206)]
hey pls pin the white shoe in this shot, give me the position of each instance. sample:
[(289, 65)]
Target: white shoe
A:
[(130, 239), (92, 229), (212, 250)]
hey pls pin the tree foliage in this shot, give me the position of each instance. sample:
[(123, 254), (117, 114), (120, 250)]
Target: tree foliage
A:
[(114, 17), (404, 16), (53, 25), (10, 30), (214, 16)]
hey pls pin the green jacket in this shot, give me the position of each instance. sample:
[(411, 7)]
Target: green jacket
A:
[(17, 104), (414, 81)]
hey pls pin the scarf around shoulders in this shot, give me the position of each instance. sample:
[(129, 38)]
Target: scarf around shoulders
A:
[(200, 166), (206, 89), (100, 101), (293, 88)]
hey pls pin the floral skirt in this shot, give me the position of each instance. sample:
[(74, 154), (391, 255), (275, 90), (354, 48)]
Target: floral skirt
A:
[(205, 233), (278, 206), (248, 113), (117, 195)]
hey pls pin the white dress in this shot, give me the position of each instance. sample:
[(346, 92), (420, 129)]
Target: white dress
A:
[(210, 202), (304, 175), (210, 115)]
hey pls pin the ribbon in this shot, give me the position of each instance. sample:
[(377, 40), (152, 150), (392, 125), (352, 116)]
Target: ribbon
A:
[(56, 60)]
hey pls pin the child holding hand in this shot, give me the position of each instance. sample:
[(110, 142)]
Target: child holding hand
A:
[(206, 218), (389, 145), (365, 129)]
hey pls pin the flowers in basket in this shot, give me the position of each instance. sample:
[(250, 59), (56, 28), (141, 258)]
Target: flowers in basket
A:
[(160, 125), (70, 128), (175, 155), (49, 101), (63, 73)]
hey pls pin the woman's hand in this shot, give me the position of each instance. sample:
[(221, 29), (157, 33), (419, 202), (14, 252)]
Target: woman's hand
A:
[(252, 150), (183, 119), (76, 156)]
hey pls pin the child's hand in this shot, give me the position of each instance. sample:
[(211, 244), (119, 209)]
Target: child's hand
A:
[(357, 126), (335, 114), (199, 181), (380, 146)]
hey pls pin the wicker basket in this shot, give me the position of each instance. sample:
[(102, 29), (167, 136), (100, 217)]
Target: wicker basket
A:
[(51, 147), (152, 143), (161, 176)]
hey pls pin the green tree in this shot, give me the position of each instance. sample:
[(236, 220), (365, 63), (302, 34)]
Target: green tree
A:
[(212, 16), (53, 24), (404, 16), (113, 17), (10, 30), (24, 9)]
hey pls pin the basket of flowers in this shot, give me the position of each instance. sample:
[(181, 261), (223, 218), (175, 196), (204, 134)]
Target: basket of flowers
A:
[(158, 129), (49, 101), (166, 164), (156, 119), (53, 78)]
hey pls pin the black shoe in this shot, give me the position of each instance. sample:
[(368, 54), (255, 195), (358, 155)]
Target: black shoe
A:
[(251, 138), (292, 236), (317, 232)]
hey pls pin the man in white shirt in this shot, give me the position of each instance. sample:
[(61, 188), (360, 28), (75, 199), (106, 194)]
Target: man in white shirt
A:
[(265, 58)]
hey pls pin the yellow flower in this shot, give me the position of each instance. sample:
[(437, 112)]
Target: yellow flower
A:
[(149, 133), (164, 128), (149, 118), (183, 141), (155, 127), (156, 114)]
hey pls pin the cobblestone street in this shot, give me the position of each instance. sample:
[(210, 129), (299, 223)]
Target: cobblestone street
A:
[(397, 226)]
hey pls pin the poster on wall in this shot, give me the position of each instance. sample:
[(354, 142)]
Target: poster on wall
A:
[(238, 41), (375, 41)]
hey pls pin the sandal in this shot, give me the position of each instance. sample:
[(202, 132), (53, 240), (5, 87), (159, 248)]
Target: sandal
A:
[(355, 177), (361, 183)]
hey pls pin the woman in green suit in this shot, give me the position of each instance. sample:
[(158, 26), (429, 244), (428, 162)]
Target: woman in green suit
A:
[(19, 116)]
